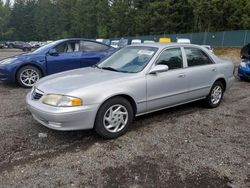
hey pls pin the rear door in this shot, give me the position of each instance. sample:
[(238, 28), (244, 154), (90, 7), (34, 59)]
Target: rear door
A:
[(200, 72), (170, 87), (67, 57), (93, 52)]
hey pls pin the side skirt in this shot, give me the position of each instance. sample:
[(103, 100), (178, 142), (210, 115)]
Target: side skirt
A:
[(169, 106)]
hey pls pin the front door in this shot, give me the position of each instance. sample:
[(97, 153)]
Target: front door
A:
[(67, 57), (170, 87)]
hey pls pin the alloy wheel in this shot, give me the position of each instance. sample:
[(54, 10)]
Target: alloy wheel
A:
[(216, 94), (29, 77)]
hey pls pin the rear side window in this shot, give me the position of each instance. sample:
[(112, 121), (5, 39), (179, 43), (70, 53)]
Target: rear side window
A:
[(172, 58), (68, 47), (89, 46), (196, 57)]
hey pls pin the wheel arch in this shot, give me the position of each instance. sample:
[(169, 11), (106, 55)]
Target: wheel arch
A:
[(127, 97), (29, 64), (223, 81)]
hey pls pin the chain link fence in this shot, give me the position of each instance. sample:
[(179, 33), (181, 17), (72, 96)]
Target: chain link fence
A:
[(215, 39)]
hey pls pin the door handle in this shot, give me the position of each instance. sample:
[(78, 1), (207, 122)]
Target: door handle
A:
[(181, 76), (214, 69)]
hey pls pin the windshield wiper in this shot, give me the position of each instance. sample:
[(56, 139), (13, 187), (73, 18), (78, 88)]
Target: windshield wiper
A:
[(109, 68)]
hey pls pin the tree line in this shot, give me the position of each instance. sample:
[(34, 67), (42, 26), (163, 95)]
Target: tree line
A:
[(41, 20)]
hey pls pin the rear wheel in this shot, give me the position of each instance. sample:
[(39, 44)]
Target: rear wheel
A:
[(216, 94), (27, 76), (26, 49), (114, 118)]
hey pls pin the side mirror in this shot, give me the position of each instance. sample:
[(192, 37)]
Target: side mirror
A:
[(53, 52), (158, 69)]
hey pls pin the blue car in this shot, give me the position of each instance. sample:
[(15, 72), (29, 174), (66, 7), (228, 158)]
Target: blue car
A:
[(58, 56), (244, 67)]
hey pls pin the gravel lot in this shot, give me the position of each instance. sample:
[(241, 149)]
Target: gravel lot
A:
[(186, 146)]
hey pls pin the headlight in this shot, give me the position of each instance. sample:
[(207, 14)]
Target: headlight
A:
[(61, 100), (243, 64), (7, 61)]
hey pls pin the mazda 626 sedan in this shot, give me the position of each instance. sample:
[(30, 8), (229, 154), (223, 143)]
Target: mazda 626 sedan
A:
[(135, 80)]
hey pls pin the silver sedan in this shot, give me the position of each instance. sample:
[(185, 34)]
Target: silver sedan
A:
[(135, 80)]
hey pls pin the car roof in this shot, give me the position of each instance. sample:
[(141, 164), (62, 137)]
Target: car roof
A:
[(162, 45), (91, 40)]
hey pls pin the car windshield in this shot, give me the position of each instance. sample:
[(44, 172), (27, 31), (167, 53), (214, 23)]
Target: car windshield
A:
[(131, 59)]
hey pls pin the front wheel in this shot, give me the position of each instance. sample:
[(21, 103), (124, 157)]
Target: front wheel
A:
[(114, 118), (27, 76), (215, 96), (25, 49)]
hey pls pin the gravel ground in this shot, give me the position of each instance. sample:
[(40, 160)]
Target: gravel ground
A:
[(187, 146)]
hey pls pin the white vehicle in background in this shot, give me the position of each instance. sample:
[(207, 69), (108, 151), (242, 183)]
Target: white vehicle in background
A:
[(209, 48), (42, 43), (34, 44), (136, 41), (183, 41), (115, 43), (104, 41), (49, 41), (149, 41), (100, 40)]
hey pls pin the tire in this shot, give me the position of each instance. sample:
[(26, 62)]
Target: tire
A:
[(27, 76), (118, 122), (214, 98), (243, 79), (25, 49)]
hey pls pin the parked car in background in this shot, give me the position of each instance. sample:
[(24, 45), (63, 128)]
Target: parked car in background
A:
[(42, 43), (244, 67), (34, 44), (183, 41), (122, 43), (135, 80), (2, 45), (20, 45), (136, 41), (58, 56), (148, 41), (104, 41), (115, 43)]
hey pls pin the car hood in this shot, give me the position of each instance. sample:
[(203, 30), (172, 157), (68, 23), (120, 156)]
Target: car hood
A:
[(69, 81), (27, 56)]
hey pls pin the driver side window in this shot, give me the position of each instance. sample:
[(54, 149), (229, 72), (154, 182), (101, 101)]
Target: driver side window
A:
[(68, 47), (172, 58)]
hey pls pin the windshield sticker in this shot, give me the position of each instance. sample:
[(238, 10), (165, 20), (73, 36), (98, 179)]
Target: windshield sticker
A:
[(145, 52)]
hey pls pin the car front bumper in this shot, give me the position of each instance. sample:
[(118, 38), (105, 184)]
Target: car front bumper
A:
[(62, 118), (6, 74), (244, 72)]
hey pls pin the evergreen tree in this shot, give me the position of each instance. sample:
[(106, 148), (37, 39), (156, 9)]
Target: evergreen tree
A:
[(53, 19)]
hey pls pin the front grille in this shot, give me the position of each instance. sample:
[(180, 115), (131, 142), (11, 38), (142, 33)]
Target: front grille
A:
[(37, 94)]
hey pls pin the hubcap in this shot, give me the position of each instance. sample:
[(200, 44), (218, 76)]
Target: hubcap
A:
[(216, 95), (29, 77), (115, 118)]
